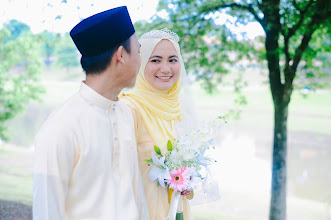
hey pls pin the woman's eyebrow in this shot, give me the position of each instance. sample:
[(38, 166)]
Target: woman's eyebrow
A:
[(155, 56), (160, 57)]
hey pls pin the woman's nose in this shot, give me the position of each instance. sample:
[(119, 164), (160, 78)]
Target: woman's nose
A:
[(165, 68)]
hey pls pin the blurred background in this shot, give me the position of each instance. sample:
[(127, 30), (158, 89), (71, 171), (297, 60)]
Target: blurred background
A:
[(225, 57)]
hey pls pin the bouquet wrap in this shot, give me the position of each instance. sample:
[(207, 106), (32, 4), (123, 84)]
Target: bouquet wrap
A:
[(185, 165)]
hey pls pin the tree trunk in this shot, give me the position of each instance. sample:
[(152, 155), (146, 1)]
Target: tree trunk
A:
[(279, 165), (272, 29)]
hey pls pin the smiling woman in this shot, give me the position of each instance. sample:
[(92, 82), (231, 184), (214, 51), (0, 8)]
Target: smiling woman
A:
[(156, 108), (162, 70)]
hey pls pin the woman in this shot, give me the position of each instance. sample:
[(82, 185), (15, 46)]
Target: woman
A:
[(156, 108)]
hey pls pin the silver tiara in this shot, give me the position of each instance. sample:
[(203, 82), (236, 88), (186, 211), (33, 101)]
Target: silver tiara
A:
[(163, 33)]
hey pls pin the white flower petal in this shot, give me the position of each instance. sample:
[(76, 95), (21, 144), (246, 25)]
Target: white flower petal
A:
[(167, 174), (162, 162), (154, 173)]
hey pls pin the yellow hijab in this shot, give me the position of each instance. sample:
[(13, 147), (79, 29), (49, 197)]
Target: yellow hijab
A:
[(159, 109)]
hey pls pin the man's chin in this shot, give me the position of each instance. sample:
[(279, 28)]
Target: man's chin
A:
[(132, 85)]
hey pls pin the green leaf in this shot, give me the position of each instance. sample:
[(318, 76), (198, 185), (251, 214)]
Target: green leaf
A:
[(157, 150), (149, 160), (222, 118), (169, 145)]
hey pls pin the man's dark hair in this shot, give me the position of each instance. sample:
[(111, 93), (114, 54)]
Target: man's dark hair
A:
[(98, 64)]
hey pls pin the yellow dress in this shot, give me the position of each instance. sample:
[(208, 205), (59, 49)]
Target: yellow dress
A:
[(156, 196)]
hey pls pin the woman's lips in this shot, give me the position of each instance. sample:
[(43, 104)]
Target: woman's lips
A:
[(164, 78)]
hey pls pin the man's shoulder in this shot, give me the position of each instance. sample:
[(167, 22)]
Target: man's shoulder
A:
[(62, 117), (68, 108)]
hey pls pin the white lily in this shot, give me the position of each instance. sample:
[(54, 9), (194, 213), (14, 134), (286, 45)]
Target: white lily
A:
[(159, 170)]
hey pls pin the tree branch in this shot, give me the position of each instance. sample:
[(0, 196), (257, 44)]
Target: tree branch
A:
[(292, 30), (302, 47), (317, 19), (295, 4), (287, 53), (248, 8), (290, 70), (286, 43), (321, 14)]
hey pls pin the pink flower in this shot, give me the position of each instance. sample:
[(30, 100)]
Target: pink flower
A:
[(180, 179)]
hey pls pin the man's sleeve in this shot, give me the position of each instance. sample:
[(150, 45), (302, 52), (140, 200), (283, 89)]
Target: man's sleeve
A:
[(53, 164), (141, 198)]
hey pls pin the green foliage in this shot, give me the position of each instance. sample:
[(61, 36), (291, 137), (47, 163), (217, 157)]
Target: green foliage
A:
[(66, 52), (169, 146), (48, 43), (142, 27), (210, 48), (19, 75), (157, 150), (149, 160), (296, 22), (315, 70), (17, 29)]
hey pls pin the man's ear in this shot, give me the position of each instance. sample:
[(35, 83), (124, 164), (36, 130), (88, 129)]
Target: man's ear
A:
[(119, 54)]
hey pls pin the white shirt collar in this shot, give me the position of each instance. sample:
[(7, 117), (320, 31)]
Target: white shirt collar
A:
[(93, 97)]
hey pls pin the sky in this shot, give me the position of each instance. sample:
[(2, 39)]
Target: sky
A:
[(41, 14)]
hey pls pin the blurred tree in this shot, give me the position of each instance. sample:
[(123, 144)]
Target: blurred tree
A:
[(289, 25), (17, 29), (315, 67), (66, 53), (48, 42), (19, 73)]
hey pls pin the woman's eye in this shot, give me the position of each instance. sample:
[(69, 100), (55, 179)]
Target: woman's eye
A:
[(155, 61), (173, 60)]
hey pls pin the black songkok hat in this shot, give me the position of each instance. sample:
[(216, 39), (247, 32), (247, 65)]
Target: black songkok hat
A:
[(103, 31)]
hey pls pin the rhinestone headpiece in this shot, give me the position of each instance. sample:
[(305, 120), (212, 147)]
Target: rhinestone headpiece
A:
[(163, 33)]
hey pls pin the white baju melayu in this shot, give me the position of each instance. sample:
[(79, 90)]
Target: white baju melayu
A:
[(86, 164)]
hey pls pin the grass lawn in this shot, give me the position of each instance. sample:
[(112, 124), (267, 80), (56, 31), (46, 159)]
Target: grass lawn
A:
[(210, 216), (311, 113), (15, 174)]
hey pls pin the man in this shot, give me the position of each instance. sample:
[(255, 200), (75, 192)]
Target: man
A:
[(86, 164)]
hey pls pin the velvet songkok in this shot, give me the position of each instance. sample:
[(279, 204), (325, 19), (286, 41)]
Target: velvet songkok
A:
[(103, 31)]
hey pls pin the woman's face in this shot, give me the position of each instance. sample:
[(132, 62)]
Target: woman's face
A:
[(162, 70)]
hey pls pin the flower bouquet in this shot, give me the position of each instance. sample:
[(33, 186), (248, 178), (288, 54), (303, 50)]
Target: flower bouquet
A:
[(183, 166)]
